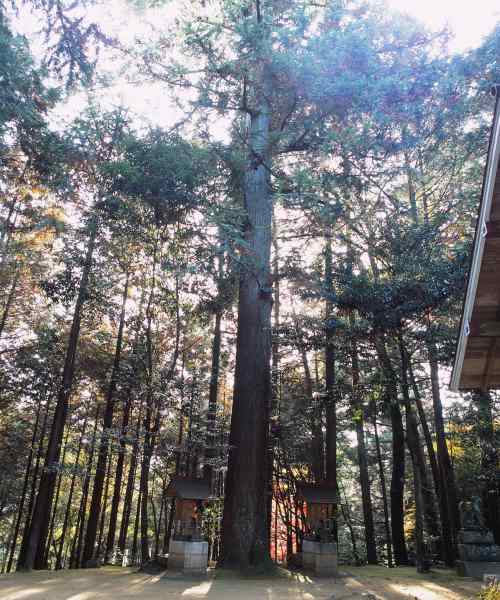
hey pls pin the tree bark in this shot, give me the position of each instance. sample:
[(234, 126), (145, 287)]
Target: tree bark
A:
[(244, 535), (117, 486), (76, 548), (446, 545), (398, 454), (383, 488), (416, 449), (10, 298), (330, 395), (43, 560), (364, 477), (413, 442), (45, 494), (29, 511), (24, 491), (70, 498), (129, 490), (95, 504), (444, 460), (210, 438), (489, 463)]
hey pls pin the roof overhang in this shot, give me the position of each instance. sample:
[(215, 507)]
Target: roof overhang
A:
[(188, 488), (477, 358), (317, 493)]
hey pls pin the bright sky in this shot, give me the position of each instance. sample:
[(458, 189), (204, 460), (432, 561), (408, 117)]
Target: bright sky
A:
[(469, 20)]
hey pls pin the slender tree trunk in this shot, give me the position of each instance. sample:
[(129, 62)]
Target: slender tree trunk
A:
[(317, 439), (104, 507), (117, 487), (275, 379), (44, 559), (163, 502), (45, 494), (364, 477), (77, 542), (413, 441), (95, 505), (398, 454), (346, 513), (489, 463), (244, 535), (27, 474), (70, 498), (144, 484), (446, 546), (29, 511), (210, 438), (129, 491), (383, 488), (330, 396), (428, 507), (444, 460), (136, 528), (10, 298)]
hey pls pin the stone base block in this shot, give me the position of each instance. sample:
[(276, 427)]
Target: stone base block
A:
[(320, 557), (475, 537), (468, 568), (479, 552), (188, 557)]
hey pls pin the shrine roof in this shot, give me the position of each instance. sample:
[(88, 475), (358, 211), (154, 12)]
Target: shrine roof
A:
[(188, 488), (317, 493)]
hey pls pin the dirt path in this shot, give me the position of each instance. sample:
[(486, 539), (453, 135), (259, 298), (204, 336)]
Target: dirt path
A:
[(123, 584)]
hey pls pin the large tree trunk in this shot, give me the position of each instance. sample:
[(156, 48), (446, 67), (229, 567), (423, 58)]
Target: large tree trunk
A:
[(244, 535), (95, 504), (43, 504)]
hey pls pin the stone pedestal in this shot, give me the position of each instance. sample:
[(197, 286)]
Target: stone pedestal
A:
[(478, 554), (188, 557), (320, 557)]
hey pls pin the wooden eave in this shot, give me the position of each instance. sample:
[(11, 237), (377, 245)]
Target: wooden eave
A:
[(188, 488), (477, 358), (317, 493)]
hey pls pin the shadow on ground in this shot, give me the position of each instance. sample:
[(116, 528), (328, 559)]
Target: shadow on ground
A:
[(114, 583)]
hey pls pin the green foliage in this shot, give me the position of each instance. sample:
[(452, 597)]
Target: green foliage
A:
[(492, 592)]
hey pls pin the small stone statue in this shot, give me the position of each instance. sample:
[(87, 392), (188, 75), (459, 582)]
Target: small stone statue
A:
[(471, 518)]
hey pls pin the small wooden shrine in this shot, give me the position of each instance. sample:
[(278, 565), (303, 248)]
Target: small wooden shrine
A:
[(319, 548), (190, 496), (321, 507), (187, 549)]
